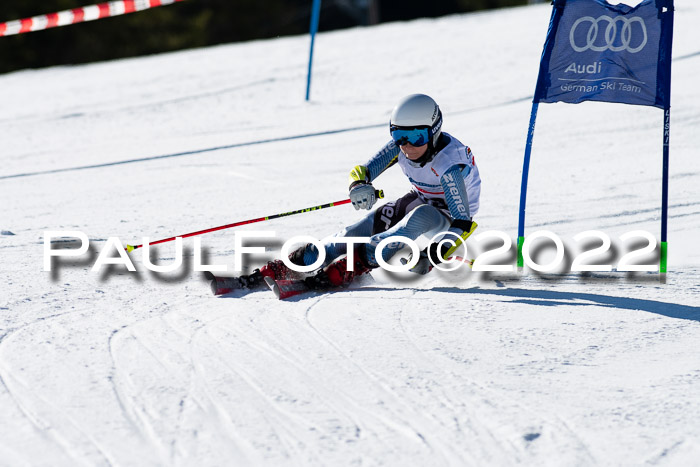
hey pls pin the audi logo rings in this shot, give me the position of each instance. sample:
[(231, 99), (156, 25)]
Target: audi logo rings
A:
[(625, 38)]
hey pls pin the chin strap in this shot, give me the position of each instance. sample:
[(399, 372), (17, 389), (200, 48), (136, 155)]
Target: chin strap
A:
[(427, 157), (432, 150)]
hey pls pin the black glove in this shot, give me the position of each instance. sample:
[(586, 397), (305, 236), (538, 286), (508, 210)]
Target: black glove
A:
[(438, 257), (423, 266), (435, 256)]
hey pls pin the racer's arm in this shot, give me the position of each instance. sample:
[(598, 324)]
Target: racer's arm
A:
[(462, 226), (385, 158), (361, 176)]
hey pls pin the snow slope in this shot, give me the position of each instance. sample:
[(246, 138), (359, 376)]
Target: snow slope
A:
[(120, 368)]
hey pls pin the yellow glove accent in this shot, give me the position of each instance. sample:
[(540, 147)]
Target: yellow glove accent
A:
[(359, 173), (462, 238)]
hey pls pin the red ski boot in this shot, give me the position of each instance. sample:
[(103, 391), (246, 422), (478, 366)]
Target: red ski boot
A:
[(274, 269), (337, 273), (255, 280)]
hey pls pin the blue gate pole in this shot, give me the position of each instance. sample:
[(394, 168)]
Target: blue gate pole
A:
[(664, 195), (523, 184), (315, 14)]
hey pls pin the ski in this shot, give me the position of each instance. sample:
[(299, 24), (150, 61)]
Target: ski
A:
[(223, 285), (468, 262), (249, 282), (285, 288)]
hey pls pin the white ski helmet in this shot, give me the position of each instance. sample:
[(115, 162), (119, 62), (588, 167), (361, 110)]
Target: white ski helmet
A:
[(416, 111)]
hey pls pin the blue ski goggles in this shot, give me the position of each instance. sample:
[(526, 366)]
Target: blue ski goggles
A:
[(414, 136)]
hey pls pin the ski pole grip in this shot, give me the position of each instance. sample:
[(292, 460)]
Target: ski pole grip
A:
[(379, 194)]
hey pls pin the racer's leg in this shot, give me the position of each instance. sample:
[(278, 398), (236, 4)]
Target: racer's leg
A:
[(421, 224), (379, 220)]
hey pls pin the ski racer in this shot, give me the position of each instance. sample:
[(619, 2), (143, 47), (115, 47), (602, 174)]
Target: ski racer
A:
[(444, 197)]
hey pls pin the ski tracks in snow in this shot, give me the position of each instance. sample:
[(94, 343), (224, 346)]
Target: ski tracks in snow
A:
[(322, 380), (333, 378), (62, 438), (524, 434), (157, 379), (461, 421), (297, 413)]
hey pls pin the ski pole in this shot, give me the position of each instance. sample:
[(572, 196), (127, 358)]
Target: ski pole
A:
[(130, 248)]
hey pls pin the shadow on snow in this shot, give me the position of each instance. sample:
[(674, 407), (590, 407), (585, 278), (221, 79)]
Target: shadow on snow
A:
[(554, 298)]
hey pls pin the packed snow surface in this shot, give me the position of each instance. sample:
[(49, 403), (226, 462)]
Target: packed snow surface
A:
[(465, 368)]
